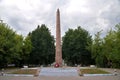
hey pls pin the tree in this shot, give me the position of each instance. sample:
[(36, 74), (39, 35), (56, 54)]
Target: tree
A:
[(6, 37), (26, 50), (17, 50), (43, 46), (13, 48), (112, 47), (106, 51), (74, 46), (9, 45), (115, 57), (22, 50), (97, 51)]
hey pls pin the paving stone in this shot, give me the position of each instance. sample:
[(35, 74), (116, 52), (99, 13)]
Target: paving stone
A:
[(58, 72)]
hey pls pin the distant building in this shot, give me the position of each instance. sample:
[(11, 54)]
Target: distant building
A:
[(1, 21)]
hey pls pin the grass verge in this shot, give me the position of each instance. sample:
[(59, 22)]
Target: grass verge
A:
[(25, 71), (93, 71)]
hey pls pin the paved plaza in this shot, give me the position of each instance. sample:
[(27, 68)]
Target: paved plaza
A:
[(69, 76), (61, 78)]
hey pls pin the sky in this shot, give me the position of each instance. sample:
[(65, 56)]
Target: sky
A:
[(93, 15)]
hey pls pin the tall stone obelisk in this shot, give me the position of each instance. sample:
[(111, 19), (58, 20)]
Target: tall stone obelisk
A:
[(58, 55)]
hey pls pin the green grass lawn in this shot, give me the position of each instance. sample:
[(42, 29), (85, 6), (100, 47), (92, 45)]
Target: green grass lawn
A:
[(25, 71), (93, 71)]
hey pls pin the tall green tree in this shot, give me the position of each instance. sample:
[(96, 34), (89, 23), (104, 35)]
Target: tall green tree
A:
[(106, 51), (97, 50), (26, 50), (13, 48), (116, 55), (112, 46), (43, 46), (22, 50), (6, 46), (10, 45), (17, 49), (108, 46), (75, 43)]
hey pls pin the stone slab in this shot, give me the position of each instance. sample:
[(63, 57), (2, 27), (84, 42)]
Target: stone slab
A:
[(98, 74), (58, 72), (27, 75)]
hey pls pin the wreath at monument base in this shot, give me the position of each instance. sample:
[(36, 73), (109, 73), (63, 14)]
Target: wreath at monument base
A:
[(56, 65)]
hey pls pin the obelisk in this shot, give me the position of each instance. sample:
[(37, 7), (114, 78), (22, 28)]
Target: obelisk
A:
[(58, 55)]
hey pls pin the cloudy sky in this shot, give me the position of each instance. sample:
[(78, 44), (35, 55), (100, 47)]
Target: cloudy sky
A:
[(93, 15)]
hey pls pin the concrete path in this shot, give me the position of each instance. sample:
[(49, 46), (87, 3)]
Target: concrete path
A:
[(58, 72), (61, 78)]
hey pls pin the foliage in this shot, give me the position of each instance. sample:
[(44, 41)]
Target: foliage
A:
[(26, 49), (43, 46), (74, 46), (11, 46), (78, 47), (96, 49), (112, 47), (6, 44), (106, 51)]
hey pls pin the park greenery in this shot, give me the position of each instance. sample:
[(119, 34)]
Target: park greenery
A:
[(78, 47), (106, 50), (43, 48), (14, 48), (75, 42)]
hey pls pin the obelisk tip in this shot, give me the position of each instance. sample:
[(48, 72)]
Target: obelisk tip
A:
[(58, 10)]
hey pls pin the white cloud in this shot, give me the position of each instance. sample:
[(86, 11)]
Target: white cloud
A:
[(93, 15)]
